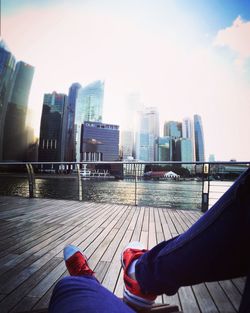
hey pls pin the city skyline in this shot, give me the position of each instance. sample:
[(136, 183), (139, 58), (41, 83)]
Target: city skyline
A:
[(145, 48)]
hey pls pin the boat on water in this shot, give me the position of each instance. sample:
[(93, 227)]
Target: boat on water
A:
[(95, 174)]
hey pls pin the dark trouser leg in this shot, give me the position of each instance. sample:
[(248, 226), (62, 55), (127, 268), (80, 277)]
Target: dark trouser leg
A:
[(80, 294), (216, 247)]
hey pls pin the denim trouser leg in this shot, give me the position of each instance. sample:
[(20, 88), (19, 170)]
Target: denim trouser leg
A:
[(78, 294), (216, 247)]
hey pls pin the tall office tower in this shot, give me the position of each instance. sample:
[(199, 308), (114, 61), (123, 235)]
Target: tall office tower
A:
[(187, 128), (7, 67), (132, 105), (99, 142), (199, 139), (173, 129), (165, 148), (15, 139), (50, 142), (147, 133), (89, 103), (183, 150), (69, 117), (188, 132)]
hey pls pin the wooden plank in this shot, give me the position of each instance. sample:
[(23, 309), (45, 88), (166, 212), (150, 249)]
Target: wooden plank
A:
[(172, 300), (45, 284), (232, 293), (18, 294), (204, 300), (171, 225), (38, 229), (165, 226), (188, 300), (221, 300), (240, 283)]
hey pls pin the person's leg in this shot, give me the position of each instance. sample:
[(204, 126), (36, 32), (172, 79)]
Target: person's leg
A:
[(84, 294), (81, 292), (216, 247)]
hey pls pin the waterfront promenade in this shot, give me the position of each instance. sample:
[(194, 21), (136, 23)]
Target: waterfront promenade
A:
[(33, 233)]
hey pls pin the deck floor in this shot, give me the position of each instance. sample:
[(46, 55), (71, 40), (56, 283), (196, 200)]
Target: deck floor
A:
[(33, 233)]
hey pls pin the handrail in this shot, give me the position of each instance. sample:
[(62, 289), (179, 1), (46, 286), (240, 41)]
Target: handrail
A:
[(206, 171)]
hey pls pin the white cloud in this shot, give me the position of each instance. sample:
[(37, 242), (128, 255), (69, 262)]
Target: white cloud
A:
[(237, 38)]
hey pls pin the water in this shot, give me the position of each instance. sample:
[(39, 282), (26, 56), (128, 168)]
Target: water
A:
[(171, 194)]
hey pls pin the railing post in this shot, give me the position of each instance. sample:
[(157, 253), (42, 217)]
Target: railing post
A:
[(79, 182), (208, 181), (135, 173), (31, 178), (205, 188)]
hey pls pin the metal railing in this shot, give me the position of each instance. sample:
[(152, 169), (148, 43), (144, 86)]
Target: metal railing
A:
[(192, 185)]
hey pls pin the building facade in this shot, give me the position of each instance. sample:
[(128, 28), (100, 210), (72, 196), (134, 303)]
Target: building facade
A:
[(165, 148), (15, 136), (99, 142), (147, 134), (173, 129), (184, 150), (188, 132), (69, 117), (89, 107), (7, 67), (51, 140), (127, 144), (199, 139)]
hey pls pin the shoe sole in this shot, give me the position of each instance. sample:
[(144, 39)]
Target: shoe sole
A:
[(136, 301)]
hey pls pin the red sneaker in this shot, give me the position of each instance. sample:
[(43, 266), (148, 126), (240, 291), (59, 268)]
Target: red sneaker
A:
[(76, 261), (132, 292)]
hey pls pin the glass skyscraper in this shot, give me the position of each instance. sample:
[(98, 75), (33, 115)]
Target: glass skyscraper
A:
[(15, 134), (188, 132), (165, 148), (89, 107), (69, 117), (147, 134), (199, 139), (7, 67), (50, 143), (184, 150), (173, 129)]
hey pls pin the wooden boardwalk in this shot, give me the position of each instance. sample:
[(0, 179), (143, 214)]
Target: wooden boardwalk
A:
[(33, 233)]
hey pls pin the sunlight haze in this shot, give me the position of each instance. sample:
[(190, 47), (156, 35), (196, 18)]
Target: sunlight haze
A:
[(184, 57)]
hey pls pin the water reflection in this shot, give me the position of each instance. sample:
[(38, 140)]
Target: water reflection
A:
[(172, 194)]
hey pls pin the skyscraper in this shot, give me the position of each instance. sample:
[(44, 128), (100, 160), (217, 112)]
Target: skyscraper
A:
[(15, 143), (199, 139), (89, 105), (183, 150), (188, 132), (50, 142), (132, 105), (7, 67), (99, 142), (165, 148), (147, 133), (173, 129), (187, 128), (69, 117)]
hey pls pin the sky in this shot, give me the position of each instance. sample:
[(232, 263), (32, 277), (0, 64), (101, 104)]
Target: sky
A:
[(184, 57)]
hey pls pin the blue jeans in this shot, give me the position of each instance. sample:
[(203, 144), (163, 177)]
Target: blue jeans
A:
[(216, 247)]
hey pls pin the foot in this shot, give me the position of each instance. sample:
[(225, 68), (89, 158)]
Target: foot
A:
[(132, 293), (76, 261)]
